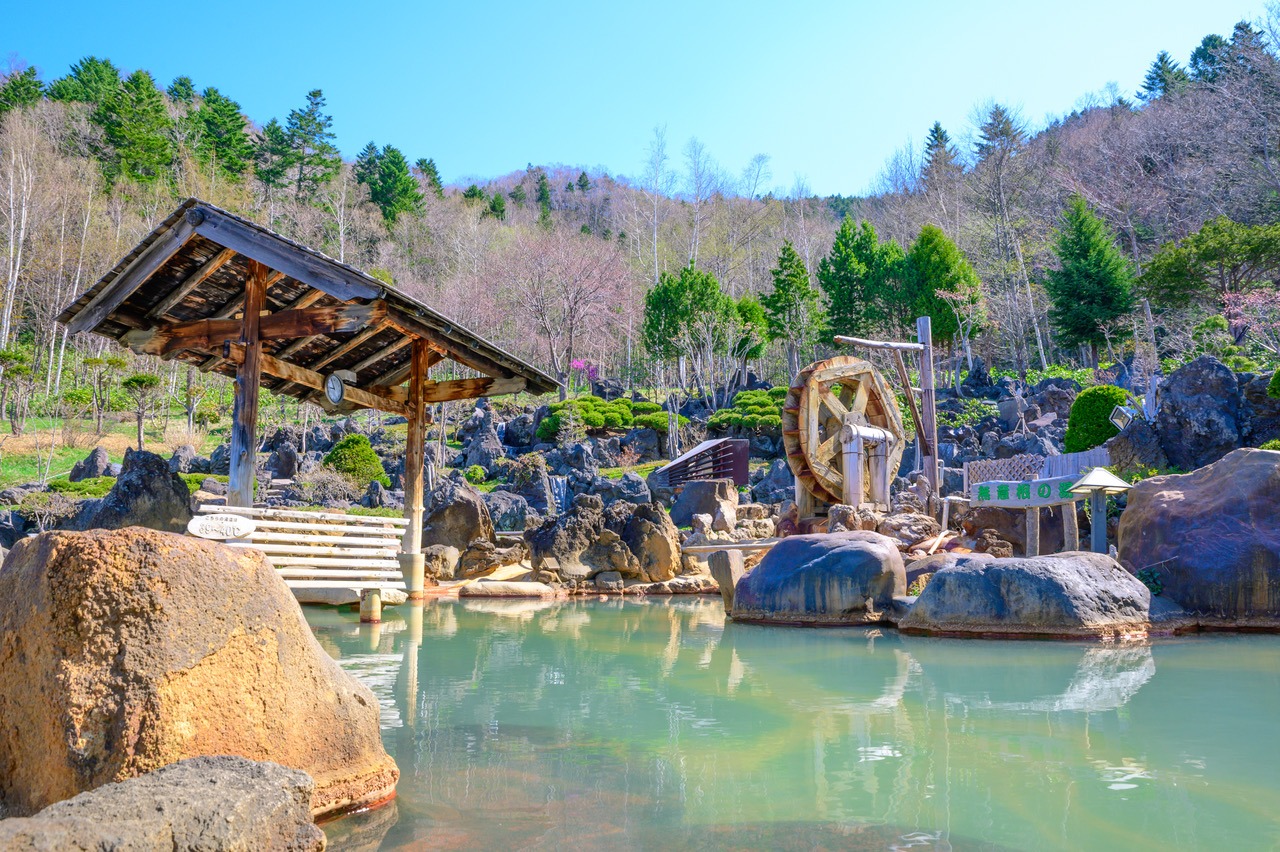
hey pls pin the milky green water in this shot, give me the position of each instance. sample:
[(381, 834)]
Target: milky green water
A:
[(653, 724)]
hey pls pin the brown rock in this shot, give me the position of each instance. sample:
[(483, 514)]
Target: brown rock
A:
[(456, 516), (125, 651), (989, 541), (651, 536)]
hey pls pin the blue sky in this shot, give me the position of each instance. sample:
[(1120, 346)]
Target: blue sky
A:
[(827, 89)]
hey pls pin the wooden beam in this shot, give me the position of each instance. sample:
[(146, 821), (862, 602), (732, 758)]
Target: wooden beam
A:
[(415, 447), (462, 389), (390, 349), (459, 352), (398, 375), (244, 424), (879, 344), (293, 374), (353, 343), (134, 276), (340, 282), (193, 281), (910, 393), (209, 335)]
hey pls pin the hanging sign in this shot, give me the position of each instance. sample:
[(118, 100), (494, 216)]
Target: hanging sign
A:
[(221, 526)]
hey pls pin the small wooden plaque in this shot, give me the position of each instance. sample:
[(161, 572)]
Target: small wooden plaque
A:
[(221, 526)]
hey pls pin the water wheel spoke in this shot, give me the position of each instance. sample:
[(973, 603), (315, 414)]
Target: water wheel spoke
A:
[(832, 402)]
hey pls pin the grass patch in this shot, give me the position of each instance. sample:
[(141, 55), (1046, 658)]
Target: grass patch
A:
[(194, 480), (96, 486), (641, 470)]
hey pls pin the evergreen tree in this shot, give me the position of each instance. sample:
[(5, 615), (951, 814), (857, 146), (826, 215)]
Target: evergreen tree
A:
[(224, 139), (395, 191), (19, 90), (315, 159), (473, 193), (498, 208), (584, 182), (182, 90), (1094, 284), (938, 280), (366, 166), (273, 156), (1206, 59), (91, 80), (999, 134), (687, 314), (941, 159), (568, 188), (136, 129), (1164, 77), (793, 309), (543, 195), (431, 176), (1222, 259), (518, 195), (859, 276)]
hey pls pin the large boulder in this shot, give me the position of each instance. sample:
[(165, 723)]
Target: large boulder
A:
[(1259, 411), (630, 488), (645, 443), (1212, 537), (832, 579), (704, 497), (93, 465), (507, 510), (1199, 414), (1067, 595), (283, 463), (519, 431), (777, 486), (485, 448), (456, 515), (211, 803), (567, 537), (184, 459), (124, 651), (1137, 448), (146, 494), (647, 530)]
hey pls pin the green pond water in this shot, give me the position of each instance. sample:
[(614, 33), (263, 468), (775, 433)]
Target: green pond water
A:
[(653, 724)]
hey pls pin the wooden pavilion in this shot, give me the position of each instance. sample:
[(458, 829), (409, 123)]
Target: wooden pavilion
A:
[(230, 296)]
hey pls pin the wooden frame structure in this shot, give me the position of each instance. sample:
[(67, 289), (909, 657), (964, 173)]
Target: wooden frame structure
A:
[(229, 296)]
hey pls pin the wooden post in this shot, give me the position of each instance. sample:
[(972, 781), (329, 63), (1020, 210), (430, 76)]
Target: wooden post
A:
[(244, 424), (1098, 521), (411, 561), (1070, 527), (854, 451), (929, 415), (1032, 517)]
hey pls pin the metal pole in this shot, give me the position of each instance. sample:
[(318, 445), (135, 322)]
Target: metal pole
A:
[(924, 333), (1098, 521)]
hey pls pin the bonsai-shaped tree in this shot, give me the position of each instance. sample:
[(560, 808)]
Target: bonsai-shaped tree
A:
[(142, 387)]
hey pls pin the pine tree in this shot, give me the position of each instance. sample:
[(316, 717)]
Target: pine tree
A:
[(1207, 58), (91, 80), (999, 134), (431, 176), (136, 129), (518, 195), (793, 309), (584, 182), (474, 193), (859, 277), (1164, 77), (273, 157), (20, 90), (941, 159), (182, 90), (396, 190), (366, 166), (224, 139), (938, 281), (498, 207), (315, 159), (1094, 284)]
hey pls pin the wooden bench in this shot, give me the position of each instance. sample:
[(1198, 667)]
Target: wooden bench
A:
[(313, 550)]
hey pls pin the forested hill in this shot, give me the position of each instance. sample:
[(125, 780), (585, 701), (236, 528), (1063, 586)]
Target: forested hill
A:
[(1027, 247)]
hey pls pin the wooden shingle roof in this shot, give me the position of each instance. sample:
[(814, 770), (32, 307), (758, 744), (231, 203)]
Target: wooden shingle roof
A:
[(178, 293)]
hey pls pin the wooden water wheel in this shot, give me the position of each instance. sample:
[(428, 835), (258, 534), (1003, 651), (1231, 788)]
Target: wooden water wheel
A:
[(822, 398)]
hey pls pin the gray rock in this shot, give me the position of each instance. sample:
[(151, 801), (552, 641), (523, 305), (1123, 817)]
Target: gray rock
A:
[(777, 486), (1259, 412), (485, 448), (213, 486), (183, 459), (207, 803), (727, 568), (284, 461), (1137, 448), (1212, 537), (833, 579), (519, 431), (456, 515), (441, 561), (630, 488), (609, 582), (645, 442), (705, 496), (93, 465), (377, 496), (345, 597), (1067, 595), (220, 459), (146, 494), (1199, 413), (506, 589), (507, 510)]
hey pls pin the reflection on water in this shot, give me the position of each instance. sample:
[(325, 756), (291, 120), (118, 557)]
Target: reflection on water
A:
[(654, 724)]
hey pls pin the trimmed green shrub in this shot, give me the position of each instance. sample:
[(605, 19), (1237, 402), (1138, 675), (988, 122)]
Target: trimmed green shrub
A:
[(645, 407), (1089, 425), (657, 421), (475, 474), (353, 456), (96, 486), (592, 411), (1273, 444), (752, 409), (1273, 386)]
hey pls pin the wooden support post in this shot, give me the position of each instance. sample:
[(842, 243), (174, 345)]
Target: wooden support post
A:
[(371, 606), (1070, 527), (411, 561), (854, 469), (244, 423), (1032, 518), (1098, 520), (929, 415)]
